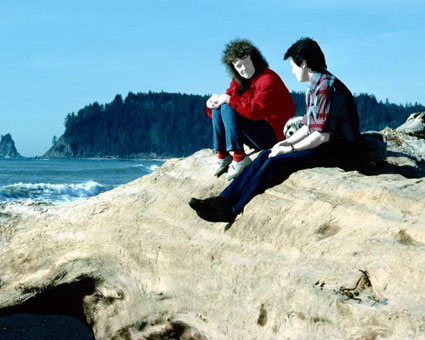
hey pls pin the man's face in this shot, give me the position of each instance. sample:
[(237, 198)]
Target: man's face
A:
[(300, 72), (244, 67)]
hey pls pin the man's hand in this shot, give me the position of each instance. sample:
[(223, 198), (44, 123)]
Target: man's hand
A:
[(280, 150), (282, 143)]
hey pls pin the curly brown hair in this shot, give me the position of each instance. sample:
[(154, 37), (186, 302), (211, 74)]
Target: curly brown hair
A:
[(240, 49)]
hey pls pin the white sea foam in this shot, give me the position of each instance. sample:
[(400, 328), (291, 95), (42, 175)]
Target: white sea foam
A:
[(48, 192), (147, 168)]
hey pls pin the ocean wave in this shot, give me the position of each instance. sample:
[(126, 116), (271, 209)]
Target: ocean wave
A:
[(147, 168), (51, 193)]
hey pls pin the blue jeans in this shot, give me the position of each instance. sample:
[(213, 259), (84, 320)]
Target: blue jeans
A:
[(265, 172), (232, 130)]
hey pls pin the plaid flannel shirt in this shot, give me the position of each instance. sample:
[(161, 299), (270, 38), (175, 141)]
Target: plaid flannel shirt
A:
[(330, 108), (318, 101)]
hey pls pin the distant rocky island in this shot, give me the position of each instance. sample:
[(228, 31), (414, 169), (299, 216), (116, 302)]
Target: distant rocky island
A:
[(163, 125), (8, 148)]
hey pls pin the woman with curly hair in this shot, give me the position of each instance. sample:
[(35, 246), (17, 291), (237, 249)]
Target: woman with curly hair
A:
[(253, 111), (329, 137)]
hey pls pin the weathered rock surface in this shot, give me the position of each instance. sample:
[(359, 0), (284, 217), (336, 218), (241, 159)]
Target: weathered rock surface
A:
[(414, 125), (61, 149), (327, 254), (8, 148), (406, 147)]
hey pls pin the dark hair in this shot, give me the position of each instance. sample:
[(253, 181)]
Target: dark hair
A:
[(240, 49), (309, 50)]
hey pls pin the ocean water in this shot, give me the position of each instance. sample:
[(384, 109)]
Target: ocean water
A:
[(59, 181)]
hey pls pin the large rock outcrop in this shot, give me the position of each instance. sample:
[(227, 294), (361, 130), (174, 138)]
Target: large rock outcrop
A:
[(406, 152), (327, 254), (61, 149), (8, 148)]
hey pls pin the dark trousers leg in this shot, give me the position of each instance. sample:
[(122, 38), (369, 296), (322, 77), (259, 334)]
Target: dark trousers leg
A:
[(267, 172), (257, 134), (250, 176)]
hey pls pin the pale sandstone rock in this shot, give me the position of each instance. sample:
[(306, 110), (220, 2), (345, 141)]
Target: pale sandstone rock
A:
[(414, 125), (141, 264), (406, 146)]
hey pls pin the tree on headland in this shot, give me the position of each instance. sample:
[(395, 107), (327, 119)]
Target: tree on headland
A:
[(174, 124), (165, 124)]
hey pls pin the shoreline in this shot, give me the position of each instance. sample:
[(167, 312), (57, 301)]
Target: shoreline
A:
[(95, 158), (67, 180)]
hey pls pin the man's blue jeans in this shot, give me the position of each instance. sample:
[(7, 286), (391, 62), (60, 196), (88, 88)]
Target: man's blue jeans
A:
[(265, 172), (232, 130)]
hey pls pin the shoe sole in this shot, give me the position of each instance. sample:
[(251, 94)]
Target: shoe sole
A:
[(222, 171), (209, 218)]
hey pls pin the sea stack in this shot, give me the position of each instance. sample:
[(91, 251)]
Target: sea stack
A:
[(8, 148)]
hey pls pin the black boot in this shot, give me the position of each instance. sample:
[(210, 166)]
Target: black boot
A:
[(213, 209)]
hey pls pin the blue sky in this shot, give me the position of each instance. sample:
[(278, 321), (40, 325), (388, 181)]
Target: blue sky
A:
[(58, 56)]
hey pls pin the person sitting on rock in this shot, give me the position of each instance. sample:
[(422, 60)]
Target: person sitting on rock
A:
[(253, 110), (329, 137)]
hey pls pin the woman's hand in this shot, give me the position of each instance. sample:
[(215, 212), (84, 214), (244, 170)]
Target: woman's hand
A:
[(213, 102), (216, 100), (224, 99)]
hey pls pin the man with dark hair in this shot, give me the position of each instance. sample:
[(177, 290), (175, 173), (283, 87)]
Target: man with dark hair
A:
[(329, 137), (253, 110), (308, 50)]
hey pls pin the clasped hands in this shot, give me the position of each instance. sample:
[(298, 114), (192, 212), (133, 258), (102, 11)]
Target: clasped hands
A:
[(216, 100), (280, 148)]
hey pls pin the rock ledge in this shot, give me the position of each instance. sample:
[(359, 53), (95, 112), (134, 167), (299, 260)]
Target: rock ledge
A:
[(326, 254)]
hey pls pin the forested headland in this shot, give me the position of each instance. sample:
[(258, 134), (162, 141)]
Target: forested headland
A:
[(146, 124), (173, 124)]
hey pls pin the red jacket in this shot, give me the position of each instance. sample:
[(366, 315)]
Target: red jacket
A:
[(267, 98)]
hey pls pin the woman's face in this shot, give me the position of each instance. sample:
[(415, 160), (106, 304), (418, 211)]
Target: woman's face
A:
[(244, 67)]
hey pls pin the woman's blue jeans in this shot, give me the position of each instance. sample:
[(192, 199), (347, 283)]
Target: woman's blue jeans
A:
[(232, 130)]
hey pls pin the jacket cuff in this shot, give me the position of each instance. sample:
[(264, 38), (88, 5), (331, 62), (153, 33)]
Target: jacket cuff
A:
[(208, 111), (233, 102)]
